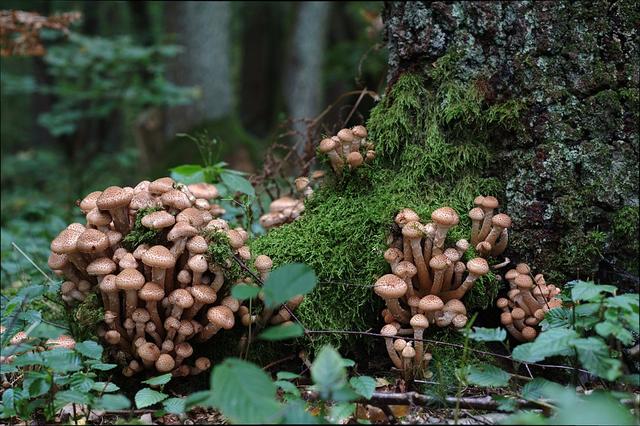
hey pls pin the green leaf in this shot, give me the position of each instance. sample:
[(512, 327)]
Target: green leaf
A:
[(244, 291), (481, 334), (328, 372), (159, 380), (594, 409), (202, 399), (237, 183), (556, 341), (90, 349), (593, 354), (588, 291), (288, 281), (295, 413), (288, 387), (629, 302), (36, 383), (61, 360), (282, 332), (508, 404), (285, 375), (525, 418), (607, 328), (540, 388), (187, 173), (338, 413), (363, 385), (556, 318), (487, 375), (106, 387), (81, 382), (147, 397), (103, 367), (174, 405), (346, 362), (244, 393), (71, 396), (112, 402)]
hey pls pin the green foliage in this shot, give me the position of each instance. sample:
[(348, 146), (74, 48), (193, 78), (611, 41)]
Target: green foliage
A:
[(286, 282), (140, 234), (486, 375), (281, 332)]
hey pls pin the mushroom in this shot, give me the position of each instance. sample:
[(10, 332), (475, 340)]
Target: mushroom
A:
[(499, 222), (161, 185), (507, 321), (501, 245), (158, 220), (458, 271), (140, 316), (198, 264), (346, 137), (203, 190), (406, 271), (93, 243), (393, 256), (202, 364), (388, 331), (109, 291), (408, 353), (419, 322), (359, 134), (459, 321), (149, 354), (179, 234), (65, 243), (391, 288), (183, 350), (219, 317), (477, 267), (151, 329), (355, 160), (130, 281), (99, 219), (116, 201), (411, 232), (489, 203), (449, 311), (88, 203), (525, 284), (175, 200), (517, 315), (159, 258), (484, 248), (443, 218), (180, 299), (429, 305), (185, 330), (165, 363), (328, 146), (263, 264), (439, 265), (128, 261), (101, 267), (202, 295), (476, 215), (58, 261)]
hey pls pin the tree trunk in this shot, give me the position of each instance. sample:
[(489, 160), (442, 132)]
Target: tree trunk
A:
[(303, 85), (570, 170), (202, 29)]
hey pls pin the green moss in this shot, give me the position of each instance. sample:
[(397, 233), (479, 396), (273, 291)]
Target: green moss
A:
[(140, 234), (219, 252), (625, 233), (87, 315), (431, 140)]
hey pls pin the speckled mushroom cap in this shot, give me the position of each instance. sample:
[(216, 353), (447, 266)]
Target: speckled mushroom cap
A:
[(478, 201), (181, 298), (88, 203), (355, 159), (506, 319), (452, 255), (197, 245), (408, 352), (57, 260), (393, 254), (327, 145), (192, 216), (501, 220), (511, 274), (476, 213), (399, 344), (478, 266), (459, 321), (462, 245), (203, 363), (165, 363), (439, 262), (203, 294), (140, 315), (523, 268), (231, 303), (198, 263), (129, 279), (158, 257), (523, 281), (529, 333), (419, 321), (489, 203), (62, 341), (203, 190), (184, 349), (412, 230), (282, 203), (301, 183), (389, 330), (455, 305), (502, 303), (345, 135), (430, 303), (184, 277), (406, 269), (181, 230), (171, 323), (406, 215), (554, 303), (151, 292), (445, 216), (65, 242), (98, 217), (235, 239), (128, 261), (92, 241), (176, 199), (263, 262), (186, 328), (108, 284), (161, 185), (517, 314), (77, 227), (221, 316), (390, 286), (143, 199), (149, 351), (101, 266), (359, 131), (158, 220), (114, 197)]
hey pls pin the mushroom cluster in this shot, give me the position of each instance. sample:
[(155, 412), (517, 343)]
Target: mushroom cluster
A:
[(526, 303), (426, 285), (158, 296), (347, 147), (489, 231)]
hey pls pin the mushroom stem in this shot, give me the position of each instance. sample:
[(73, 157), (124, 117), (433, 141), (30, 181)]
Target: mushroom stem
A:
[(398, 312)]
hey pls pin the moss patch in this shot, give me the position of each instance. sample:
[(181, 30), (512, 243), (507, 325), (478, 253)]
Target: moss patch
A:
[(140, 234), (431, 140)]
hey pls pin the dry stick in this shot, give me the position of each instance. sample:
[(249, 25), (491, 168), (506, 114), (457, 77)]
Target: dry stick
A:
[(274, 363)]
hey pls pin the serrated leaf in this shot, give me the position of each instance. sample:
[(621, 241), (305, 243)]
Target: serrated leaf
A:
[(629, 302), (363, 385), (147, 397), (286, 375), (71, 396), (237, 183), (288, 281), (174, 405), (588, 291), (103, 367), (244, 291), (112, 402), (593, 354), (90, 349), (481, 334), (288, 387), (505, 403), (106, 387), (338, 413), (61, 360), (328, 372), (36, 383), (556, 318), (346, 362), (594, 409), (244, 393), (202, 399), (608, 328), (159, 380), (556, 341), (487, 375), (295, 413), (282, 332), (540, 388)]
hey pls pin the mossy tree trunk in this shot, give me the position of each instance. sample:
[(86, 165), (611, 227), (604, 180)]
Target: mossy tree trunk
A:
[(569, 169)]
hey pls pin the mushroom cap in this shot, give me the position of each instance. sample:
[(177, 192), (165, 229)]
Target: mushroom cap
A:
[(203, 294), (186, 328), (129, 279), (523, 268), (161, 185), (176, 199), (140, 315), (345, 135), (112, 337), (171, 323), (114, 197), (408, 352), (389, 330), (139, 251), (203, 363), (462, 245), (511, 274), (197, 244), (231, 303), (505, 318), (406, 269), (412, 229), (455, 305), (143, 199), (92, 241), (529, 333), (282, 203), (98, 217), (65, 242), (459, 321), (439, 262), (149, 351), (88, 203), (301, 183), (327, 145), (390, 286), (478, 201), (399, 344), (539, 314), (192, 216), (476, 213), (355, 159), (555, 303), (517, 314), (151, 292), (158, 220), (359, 131), (184, 350), (445, 217), (184, 277), (419, 321), (57, 260), (489, 203), (181, 298), (406, 215), (430, 303), (108, 284), (101, 266), (501, 220), (452, 255), (141, 186), (413, 301), (78, 227), (158, 257), (165, 363), (393, 254), (263, 262), (235, 239), (128, 261), (478, 266), (502, 303), (523, 281), (221, 316), (62, 341), (181, 230), (203, 190), (198, 263)]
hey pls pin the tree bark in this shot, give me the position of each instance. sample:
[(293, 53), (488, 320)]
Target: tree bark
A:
[(571, 169), (202, 29)]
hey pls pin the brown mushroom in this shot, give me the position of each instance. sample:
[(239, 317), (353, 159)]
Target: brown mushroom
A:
[(391, 288), (116, 201), (477, 267), (443, 218), (130, 281)]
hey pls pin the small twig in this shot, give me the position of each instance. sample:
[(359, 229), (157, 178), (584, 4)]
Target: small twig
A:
[(32, 262), (274, 363)]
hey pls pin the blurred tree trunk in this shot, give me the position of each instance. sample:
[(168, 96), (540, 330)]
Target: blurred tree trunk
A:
[(303, 84), (141, 22), (202, 29), (571, 168)]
